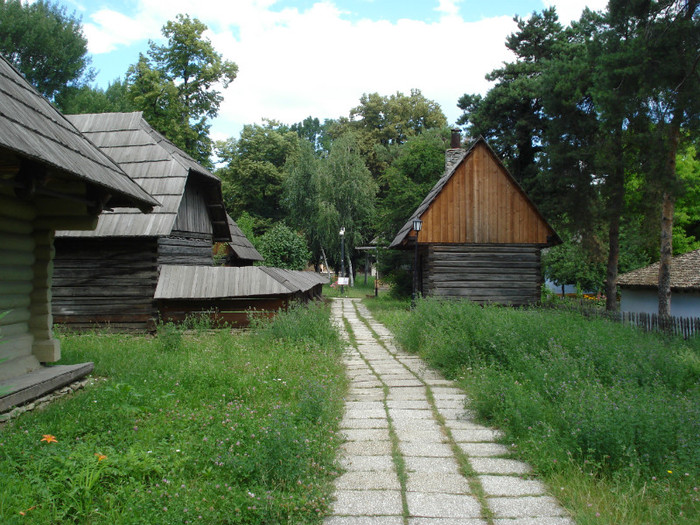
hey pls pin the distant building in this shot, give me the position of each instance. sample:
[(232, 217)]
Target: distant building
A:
[(481, 236), (639, 288)]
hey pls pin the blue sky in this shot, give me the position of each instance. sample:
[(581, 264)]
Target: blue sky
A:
[(300, 58)]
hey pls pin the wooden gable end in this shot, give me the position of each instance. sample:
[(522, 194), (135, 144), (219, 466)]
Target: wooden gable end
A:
[(481, 203), (193, 215)]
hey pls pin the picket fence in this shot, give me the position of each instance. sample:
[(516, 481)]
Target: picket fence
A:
[(679, 326)]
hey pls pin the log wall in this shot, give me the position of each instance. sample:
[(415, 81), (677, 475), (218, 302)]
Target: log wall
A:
[(483, 273), (105, 281), (186, 248)]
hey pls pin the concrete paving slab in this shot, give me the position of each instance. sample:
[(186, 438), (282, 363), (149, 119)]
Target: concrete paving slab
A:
[(473, 435), (499, 466), (363, 520), (416, 424), (525, 507), (380, 480), (365, 434), (424, 436), (347, 424), (422, 464), (402, 382), (511, 486), (484, 449), (425, 449), (367, 463), (367, 503), (432, 505), (366, 448), (413, 404), (447, 521), (404, 413), (445, 482), (378, 413)]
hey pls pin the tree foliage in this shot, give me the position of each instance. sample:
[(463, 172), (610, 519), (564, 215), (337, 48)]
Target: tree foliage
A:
[(281, 247), (46, 44), (174, 85)]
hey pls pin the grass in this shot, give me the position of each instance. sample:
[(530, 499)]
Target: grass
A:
[(608, 416), (196, 427), (360, 290)]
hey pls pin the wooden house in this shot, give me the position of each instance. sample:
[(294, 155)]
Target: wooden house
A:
[(231, 294), (109, 275), (51, 177), (639, 288), (481, 235)]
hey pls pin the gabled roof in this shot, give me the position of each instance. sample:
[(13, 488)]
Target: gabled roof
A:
[(158, 166), (225, 282), (241, 246), (459, 158), (33, 129), (685, 274)]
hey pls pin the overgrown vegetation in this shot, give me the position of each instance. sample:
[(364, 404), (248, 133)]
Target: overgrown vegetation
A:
[(202, 426), (608, 415)]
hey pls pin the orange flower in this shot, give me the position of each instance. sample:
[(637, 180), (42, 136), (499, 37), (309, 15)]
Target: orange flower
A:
[(100, 457), (49, 438)]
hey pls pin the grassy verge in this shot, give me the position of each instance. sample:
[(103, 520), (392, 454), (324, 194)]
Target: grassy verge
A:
[(608, 416), (197, 427), (360, 290)]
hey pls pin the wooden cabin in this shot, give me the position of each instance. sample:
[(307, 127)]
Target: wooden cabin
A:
[(639, 289), (51, 178), (481, 235), (231, 294), (109, 275)]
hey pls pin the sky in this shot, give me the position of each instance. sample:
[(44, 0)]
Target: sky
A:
[(300, 58)]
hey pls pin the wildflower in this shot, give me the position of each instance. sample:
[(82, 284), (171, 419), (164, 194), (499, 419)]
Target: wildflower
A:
[(670, 471), (49, 438), (100, 457)]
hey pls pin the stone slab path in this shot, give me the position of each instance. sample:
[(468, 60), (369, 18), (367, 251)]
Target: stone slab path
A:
[(413, 455)]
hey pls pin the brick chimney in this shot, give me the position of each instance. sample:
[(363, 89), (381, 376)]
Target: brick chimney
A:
[(456, 152)]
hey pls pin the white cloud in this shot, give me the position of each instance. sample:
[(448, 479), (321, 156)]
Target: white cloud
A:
[(295, 63), (569, 10)]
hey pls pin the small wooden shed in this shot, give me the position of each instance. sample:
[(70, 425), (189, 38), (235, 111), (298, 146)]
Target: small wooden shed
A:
[(481, 236), (230, 294), (51, 177), (639, 288), (109, 275)]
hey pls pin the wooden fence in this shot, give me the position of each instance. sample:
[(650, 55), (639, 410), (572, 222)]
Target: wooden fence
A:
[(680, 326)]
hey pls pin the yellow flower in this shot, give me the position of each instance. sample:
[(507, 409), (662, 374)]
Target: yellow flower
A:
[(100, 457), (670, 471), (49, 438)]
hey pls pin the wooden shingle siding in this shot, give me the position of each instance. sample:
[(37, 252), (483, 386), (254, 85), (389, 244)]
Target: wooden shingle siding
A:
[(105, 281), (481, 205), (506, 274), (192, 215)]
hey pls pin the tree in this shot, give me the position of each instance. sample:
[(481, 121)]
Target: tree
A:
[(174, 85), (281, 247), (419, 164), (87, 99), (254, 171), (46, 44), (510, 116), (381, 122), (347, 197)]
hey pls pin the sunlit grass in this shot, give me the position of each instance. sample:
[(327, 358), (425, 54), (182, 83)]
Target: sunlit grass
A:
[(196, 427), (609, 416)]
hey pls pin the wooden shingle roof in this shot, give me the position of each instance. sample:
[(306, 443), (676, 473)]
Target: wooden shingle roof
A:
[(241, 246), (222, 282), (477, 201), (158, 166), (685, 274), (33, 129)]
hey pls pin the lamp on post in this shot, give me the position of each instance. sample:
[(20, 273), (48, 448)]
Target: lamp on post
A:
[(342, 259), (417, 225)]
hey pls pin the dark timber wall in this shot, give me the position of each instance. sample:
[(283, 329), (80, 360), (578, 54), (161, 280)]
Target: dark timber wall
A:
[(191, 249), (105, 281), (483, 273)]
